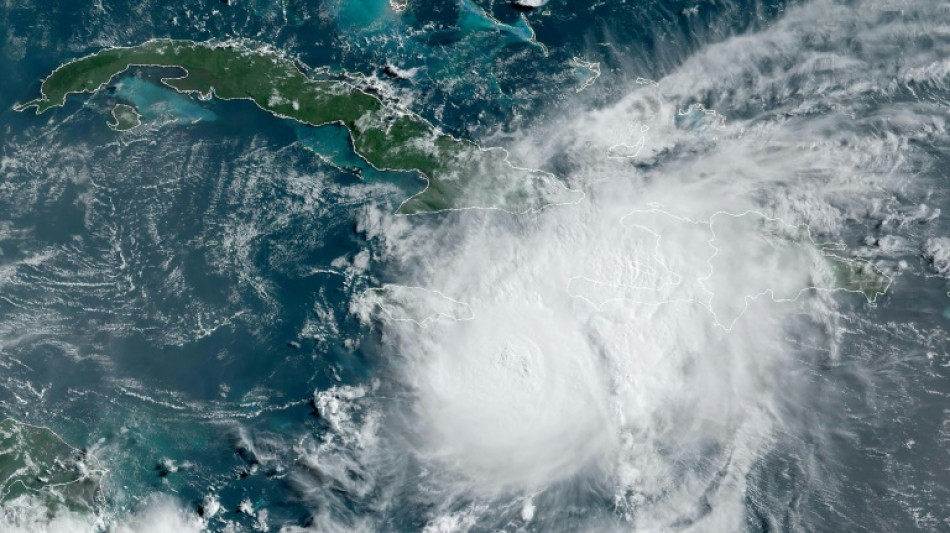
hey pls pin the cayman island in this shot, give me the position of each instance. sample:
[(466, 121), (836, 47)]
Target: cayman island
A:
[(460, 174)]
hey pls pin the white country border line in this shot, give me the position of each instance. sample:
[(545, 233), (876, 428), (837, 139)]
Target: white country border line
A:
[(98, 469), (703, 280), (428, 319)]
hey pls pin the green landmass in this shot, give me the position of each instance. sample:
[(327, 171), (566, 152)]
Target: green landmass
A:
[(859, 276), (844, 271), (36, 461), (459, 172), (126, 118)]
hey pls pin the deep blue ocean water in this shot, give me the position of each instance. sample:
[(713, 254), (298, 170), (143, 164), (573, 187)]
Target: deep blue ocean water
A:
[(171, 298)]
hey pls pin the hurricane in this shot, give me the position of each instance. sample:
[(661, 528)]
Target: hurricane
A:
[(652, 347), (730, 317)]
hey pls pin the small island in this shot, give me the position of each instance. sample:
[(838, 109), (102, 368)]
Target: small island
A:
[(125, 117), (460, 173), (854, 275)]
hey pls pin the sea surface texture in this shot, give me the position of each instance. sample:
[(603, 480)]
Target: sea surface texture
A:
[(718, 300)]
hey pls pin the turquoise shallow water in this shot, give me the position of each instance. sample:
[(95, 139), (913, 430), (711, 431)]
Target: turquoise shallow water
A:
[(182, 300), (333, 143), (157, 103)]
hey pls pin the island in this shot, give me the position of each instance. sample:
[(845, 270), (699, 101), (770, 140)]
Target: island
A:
[(857, 275), (126, 118), (35, 461), (460, 173)]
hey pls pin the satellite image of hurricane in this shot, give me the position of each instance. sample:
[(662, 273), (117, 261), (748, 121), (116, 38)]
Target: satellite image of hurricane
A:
[(475, 266)]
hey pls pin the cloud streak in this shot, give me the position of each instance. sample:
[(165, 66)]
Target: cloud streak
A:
[(682, 376)]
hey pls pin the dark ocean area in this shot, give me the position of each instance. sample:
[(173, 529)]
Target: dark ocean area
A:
[(220, 307)]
